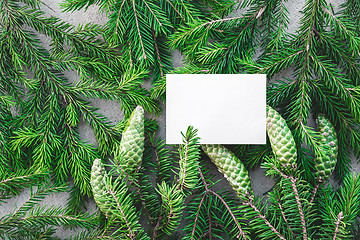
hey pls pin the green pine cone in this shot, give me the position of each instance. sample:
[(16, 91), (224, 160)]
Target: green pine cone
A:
[(324, 166), (97, 182), (229, 165), (281, 139), (132, 142)]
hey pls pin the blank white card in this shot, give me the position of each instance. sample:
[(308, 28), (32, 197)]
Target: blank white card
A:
[(225, 108)]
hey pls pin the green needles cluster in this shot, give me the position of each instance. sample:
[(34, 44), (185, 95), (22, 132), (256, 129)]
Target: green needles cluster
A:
[(43, 133), (140, 29)]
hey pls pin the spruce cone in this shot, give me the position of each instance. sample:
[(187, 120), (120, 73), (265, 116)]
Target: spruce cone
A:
[(97, 182), (229, 165), (132, 142), (281, 139), (324, 166)]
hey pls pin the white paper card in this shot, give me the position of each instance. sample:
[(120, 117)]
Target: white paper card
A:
[(225, 108)]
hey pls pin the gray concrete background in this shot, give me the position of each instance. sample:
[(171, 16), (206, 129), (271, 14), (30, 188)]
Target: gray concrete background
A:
[(260, 183)]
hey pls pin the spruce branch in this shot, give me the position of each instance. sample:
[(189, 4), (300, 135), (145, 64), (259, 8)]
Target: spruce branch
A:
[(11, 184), (293, 181), (284, 216), (241, 231), (122, 214), (35, 221), (143, 202), (250, 202), (37, 197), (163, 159), (171, 208), (121, 207), (189, 155), (197, 214), (76, 201), (148, 198), (338, 209)]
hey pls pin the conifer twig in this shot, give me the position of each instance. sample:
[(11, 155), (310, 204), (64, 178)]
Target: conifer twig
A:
[(161, 66), (47, 6), (337, 224), (170, 3), (156, 228), (157, 157), (131, 233), (297, 198), (197, 217), (138, 29), (315, 191), (293, 181), (241, 231), (182, 183), (250, 202), (210, 224), (284, 217), (142, 199)]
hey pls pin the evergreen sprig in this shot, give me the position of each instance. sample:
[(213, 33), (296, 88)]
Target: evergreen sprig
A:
[(189, 160), (31, 220), (11, 184), (140, 29), (340, 209), (213, 213)]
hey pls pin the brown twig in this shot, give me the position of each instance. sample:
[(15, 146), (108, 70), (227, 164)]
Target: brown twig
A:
[(210, 224), (157, 157), (47, 6), (136, 183), (161, 66), (284, 217), (138, 29), (315, 191), (142, 198), (297, 198), (293, 181), (197, 217), (161, 218), (156, 228), (337, 224), (130, 52), (131, 233), (241, 231), (43, 234), (250, 202)]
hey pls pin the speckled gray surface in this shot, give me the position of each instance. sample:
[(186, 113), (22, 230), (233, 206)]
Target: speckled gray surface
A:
[(260, 183)]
